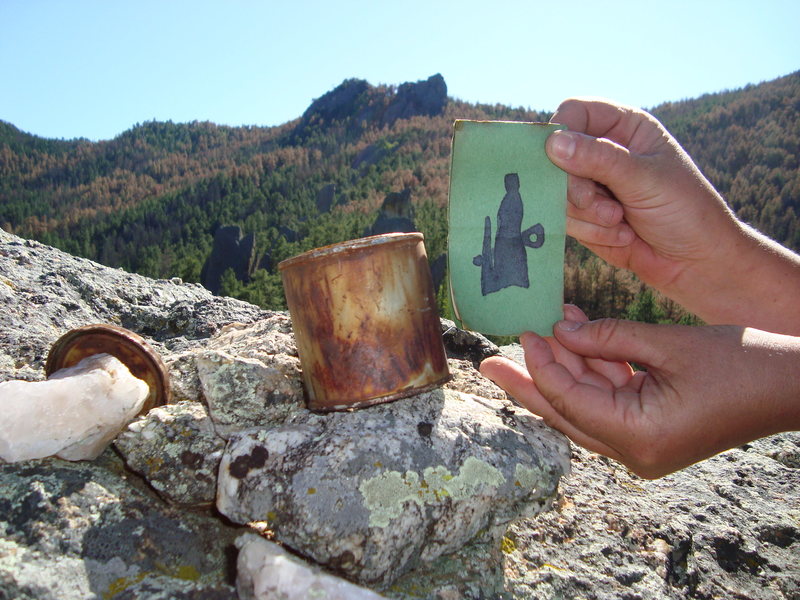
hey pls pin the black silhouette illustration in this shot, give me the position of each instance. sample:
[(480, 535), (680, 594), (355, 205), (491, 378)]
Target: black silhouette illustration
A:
[(507, 263)]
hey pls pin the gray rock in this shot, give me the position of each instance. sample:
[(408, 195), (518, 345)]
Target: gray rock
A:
[(373, 492), (73, 530), (466, 344), (245, 392), (428, 97), (357, 104), (177, 450), (726, 528), (326, 196), (396, 215), (44, 293)]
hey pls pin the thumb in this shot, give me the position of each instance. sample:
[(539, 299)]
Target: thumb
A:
[(614, 340), (599, 159)]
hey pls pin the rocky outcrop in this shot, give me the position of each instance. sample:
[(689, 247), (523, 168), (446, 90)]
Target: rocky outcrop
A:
[(85, 530), (136, 523), (375, 492), (230, 251), (343, 101), (427, 98), (357, 104), (326, 197), (396, 215)]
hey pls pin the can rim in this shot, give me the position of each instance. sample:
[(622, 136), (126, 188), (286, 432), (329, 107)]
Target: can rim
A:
[(350, 246), (334, 406)]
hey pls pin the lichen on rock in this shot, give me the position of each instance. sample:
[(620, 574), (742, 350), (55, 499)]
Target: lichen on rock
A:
[(372, 492)]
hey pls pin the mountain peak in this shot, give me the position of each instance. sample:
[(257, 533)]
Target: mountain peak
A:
[(357, 101)]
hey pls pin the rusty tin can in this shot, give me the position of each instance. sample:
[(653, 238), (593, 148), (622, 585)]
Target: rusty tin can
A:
[(365, 321)]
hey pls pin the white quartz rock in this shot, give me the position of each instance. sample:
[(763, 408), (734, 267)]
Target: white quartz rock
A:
[(265, 571), (73, 415)]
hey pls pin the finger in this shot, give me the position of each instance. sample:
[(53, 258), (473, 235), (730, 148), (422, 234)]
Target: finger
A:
[(517, 382), (591, 234), (600, 118), (574, 313), (593, 202), (583, 411), (578, 366), (599, 159), (615, 340), (582, 192), (618, 374)]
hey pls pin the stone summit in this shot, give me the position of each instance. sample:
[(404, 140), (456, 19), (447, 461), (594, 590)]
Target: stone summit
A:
[(236, 490)]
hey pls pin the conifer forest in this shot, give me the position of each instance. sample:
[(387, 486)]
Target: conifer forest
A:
[(361, 159)]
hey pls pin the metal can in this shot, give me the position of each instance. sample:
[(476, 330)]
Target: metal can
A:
[(129, 348), (365, 321)]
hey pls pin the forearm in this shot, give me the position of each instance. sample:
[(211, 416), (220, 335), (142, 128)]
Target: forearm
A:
[(752, 281), (766, 400)]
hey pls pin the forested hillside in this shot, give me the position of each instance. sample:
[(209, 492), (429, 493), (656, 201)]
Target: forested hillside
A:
[(152, 199)]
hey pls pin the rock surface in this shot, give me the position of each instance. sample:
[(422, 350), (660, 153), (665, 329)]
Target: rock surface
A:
[(373, 492), (726, 528), (396, 215), (83, 530), (176, 449), (355, 99)]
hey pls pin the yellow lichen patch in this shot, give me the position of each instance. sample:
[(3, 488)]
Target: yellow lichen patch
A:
[(631, 485), (154, 463), (312, 490), (123, 583), (185, 572), (507, 545), (555, 568)]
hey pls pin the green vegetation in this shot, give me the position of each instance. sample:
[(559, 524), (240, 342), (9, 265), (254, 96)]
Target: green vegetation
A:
[(151, 199)]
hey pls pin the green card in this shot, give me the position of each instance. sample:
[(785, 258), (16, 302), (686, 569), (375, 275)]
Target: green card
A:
[(507, 227)]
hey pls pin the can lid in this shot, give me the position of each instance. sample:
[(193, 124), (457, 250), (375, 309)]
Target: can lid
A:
[(350, 246), (131, 350)]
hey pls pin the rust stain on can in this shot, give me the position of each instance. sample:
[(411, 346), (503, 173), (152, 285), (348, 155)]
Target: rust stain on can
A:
[(365, 321)]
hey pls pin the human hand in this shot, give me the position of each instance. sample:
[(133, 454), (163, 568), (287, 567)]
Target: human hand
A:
[(638, 201), (706, 389), (636, 198)]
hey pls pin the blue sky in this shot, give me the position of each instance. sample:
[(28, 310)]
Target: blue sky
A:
[(92, 68)]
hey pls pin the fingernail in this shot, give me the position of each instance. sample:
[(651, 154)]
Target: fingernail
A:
[(626, 236), (568, 325), (562, 144), (606, 212)]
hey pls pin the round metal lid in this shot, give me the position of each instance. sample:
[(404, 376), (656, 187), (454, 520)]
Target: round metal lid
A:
[(129, 348)]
